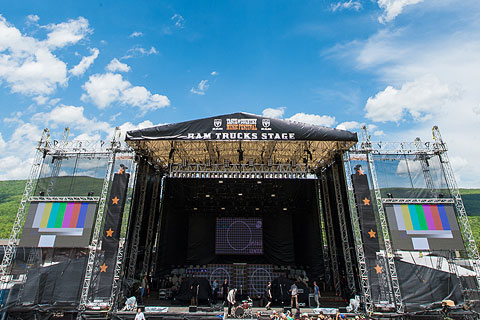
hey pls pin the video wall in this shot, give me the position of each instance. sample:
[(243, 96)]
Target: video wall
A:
[(424, 227), (239, 236), (58, 224)]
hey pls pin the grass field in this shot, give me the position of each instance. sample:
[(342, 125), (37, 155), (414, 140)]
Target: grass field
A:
[(11, 194)]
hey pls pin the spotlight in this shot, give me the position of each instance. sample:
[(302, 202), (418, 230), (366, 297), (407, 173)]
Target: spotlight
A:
[(259, 182), (284, 209), (240, 194), (390, 195), (222, 208), (195, 209), (42, 193), (90, 194), (207, 196), (257, 209), (220, 181), (273, 195)]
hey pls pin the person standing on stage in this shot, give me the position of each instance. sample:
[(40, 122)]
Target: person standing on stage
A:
[(231, 300), (215, 290), (145, 288), (268, 295), (225, 290), (316, 293), (294, 292)]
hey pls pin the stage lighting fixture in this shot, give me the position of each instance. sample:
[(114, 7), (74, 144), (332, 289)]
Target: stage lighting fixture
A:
[(170, 155), (259, 182), (222, 208), (440, 195), (90, 194), (390, 195), (207, 196), (220, 181), (195, 209), (273, 195), (257, 209), (42, 193), (240, 194), (284, 209)]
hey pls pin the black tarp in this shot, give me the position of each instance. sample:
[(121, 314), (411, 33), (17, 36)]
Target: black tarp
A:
[(241, 126), (188, 289), (111, 233)]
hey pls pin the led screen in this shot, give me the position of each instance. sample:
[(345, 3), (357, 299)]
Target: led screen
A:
[(424, 227), (58, 224), (239, 236)]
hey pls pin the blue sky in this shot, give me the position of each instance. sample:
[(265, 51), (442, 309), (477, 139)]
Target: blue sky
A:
[(398, 66)]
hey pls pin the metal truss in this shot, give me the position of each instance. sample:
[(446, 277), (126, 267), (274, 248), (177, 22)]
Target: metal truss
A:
[(425, 166), (392, 148), (392, 270), (419, 201), (357, 234), (94, 243), (137, 223), (343, 228), (452, 267), (56, 166), (151, 224), (65, 199), (81, 146), (331, 237), (159, 224), (117, 273), (243, 171), (10, 249), (468, 238), (323, 232)]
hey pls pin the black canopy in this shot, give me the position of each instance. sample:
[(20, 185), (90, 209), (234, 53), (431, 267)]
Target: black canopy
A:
[(241, 126)]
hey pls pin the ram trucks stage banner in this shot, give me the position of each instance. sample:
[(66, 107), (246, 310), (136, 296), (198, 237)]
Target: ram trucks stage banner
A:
[(241, 126)]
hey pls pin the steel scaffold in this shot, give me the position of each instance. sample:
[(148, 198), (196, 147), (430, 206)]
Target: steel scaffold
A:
[(151, 224), (343, 228), (392, 270), (119, 263), (159, 224), (94, 243), (57, 165), (132, 259), (468, 238), (331, 236), (362, 265), (325, 253), (10, 249)]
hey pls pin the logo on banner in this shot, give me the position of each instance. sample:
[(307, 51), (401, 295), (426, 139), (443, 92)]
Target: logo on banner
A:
[(217, 124), (266, 124), (242, 124)]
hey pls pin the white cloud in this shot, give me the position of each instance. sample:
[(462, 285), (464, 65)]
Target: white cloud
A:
[(350, 4), (214, 73), (72, 117), (178, 20), (393, 8), (136, 34), (104, 89), (349, 125), (2, 143), (33, 18), (419, 98), (201, 88), (27, 65), (139, 52), (314, 119), (85, 63), (378, 133), (67, 33), (116, 65), (274, 113)]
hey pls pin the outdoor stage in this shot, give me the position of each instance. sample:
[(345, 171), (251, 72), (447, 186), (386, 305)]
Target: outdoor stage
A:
[(244, 198)]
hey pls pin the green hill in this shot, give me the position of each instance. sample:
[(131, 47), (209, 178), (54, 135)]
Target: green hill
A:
[(11, 194)]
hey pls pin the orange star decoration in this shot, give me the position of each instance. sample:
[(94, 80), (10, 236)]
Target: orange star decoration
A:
[(103, 268), (121, 171), (360, 171), (109, 232), (378, 269), (372, 233), (115, 200), (366, 201)]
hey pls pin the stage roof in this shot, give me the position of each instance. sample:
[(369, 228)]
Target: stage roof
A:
[(240, 137)]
